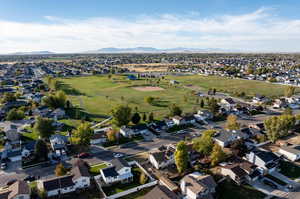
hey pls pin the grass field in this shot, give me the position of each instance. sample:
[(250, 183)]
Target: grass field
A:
[(250, 87), (98, 94)]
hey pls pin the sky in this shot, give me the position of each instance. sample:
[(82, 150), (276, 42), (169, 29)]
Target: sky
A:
[(67, 26)]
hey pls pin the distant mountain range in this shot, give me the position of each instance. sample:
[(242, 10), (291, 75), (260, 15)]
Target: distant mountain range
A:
[(137, 50), (32, 53), (158, 50)]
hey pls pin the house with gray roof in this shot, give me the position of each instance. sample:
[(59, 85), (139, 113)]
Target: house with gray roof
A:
[(120, 171), (226, 137)]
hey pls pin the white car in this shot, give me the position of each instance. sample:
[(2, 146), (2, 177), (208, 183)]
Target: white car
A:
[(3, 166), (118, 155)]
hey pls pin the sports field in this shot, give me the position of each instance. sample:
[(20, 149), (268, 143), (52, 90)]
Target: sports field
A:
[(99, 94)]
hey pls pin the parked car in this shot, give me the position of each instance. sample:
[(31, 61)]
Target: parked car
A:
[(29, 179), (3, 165), (118, 155), (271, 184), (84, 155)]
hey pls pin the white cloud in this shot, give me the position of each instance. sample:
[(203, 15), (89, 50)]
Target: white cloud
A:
[(257, 31)]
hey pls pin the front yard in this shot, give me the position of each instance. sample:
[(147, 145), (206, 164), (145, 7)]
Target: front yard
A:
[(230, 190), (95, 169)]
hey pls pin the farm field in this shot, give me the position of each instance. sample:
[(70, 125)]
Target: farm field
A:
[(99, 94)]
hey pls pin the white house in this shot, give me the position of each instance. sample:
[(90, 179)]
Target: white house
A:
[(162, 157), (134, 130), (196, 185), (120, 171), (290, 152), (178, 120)]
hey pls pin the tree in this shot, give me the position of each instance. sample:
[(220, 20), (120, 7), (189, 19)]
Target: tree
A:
[(239, 148), (15, 114), (202, 103), (204, 144), (175, 110), (149, 100), (232, 123), (278, 126), (83, 134), (144, 117), (60, 170), (43, 127), (289, 91), (56, 100), (151, 117), (112, 135), (121, 115), (181, 156), (217, 155), (213, 106), (41, 150), (136, 118), (143, 178), (214, 91)]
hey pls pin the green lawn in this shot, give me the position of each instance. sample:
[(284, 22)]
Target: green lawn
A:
[(95, 169), (290, 169), (250, 87), (98, 94), (229, 190)]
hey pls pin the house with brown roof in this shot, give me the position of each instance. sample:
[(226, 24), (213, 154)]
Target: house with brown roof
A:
[(17, 190), (161, 192), (198, 186), (81, 176)]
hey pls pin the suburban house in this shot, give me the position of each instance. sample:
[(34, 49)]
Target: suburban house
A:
[(280, 103), (235, 172), (161, 192), (57, 185), (134, 130), (226, 137), (203, 115), (260, 99), (158, 126), (120, 171), (28, 148), (266, 161), (59, 144), (18, 190), (290, 152), (81, 176), (198, 186), (178, 120), (162, 157), (228, 104), (58, 114)]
